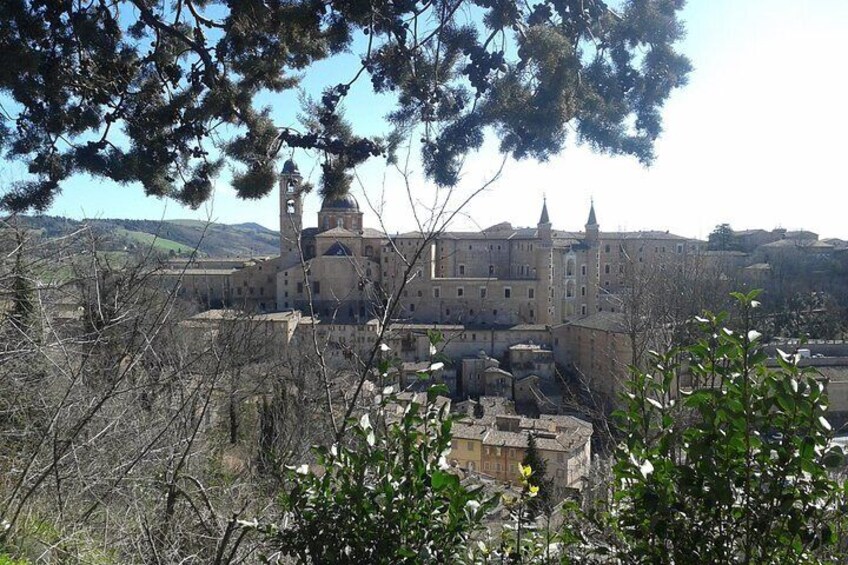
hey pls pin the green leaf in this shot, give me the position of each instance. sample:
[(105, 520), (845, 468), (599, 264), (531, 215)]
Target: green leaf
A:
[(441, 480)]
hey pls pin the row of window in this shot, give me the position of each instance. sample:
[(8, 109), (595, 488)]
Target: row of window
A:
[(471, 313), (657, 249), (460, 292)]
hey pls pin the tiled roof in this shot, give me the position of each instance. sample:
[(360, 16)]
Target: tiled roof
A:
[(460, 430), (505, 439), (603, 321), (337, 232), (799, 243), (651, 234), (563, 420), (372, 233)]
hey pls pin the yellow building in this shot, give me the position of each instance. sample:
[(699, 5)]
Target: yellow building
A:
[(467, 446)]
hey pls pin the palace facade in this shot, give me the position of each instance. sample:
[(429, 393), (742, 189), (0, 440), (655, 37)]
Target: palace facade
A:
[(500, 276)]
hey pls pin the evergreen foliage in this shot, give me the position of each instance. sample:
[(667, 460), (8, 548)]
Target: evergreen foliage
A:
[(146, 92), (722, 239), (22, 314), (541, 503)]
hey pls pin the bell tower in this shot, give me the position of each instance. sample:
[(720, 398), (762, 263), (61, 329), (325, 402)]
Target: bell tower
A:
[(291, 213)]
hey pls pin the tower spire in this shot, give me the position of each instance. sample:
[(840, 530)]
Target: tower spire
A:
[(544, 219), (592, 221)]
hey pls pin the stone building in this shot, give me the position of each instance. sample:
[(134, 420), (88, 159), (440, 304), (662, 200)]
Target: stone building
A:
[(489, 290), (497, 277), (598, 349)]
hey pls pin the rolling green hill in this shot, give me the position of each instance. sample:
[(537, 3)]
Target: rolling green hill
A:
[(174, 237)]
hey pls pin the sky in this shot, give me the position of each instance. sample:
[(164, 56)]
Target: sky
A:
[(756, 140)]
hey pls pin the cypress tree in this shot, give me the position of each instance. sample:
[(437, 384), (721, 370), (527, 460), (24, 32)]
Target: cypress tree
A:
[(540, 503)]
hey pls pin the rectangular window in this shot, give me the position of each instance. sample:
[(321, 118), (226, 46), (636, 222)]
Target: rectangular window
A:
[(460, 292), (507, 292), (300, 288), (462, 269), (437, 292), (583, 270), (531, 293), (582, 291), (606, 269), (483, 292)]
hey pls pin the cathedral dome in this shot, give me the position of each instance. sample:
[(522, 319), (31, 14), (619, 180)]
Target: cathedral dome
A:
[(346, 202), (290, 168)]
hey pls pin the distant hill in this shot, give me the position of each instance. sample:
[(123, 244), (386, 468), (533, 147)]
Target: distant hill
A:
[(175, 237)]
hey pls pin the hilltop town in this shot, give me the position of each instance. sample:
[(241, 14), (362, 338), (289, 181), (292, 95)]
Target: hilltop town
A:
[(533, 322)]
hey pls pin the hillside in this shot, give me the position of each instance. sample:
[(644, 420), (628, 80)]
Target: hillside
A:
[(175, 237)]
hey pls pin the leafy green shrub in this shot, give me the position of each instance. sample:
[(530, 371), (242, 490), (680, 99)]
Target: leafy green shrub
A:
[(734, 468), (386, 497)]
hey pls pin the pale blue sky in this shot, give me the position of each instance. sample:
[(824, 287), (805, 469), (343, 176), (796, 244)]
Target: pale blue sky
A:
[(756, 140)]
